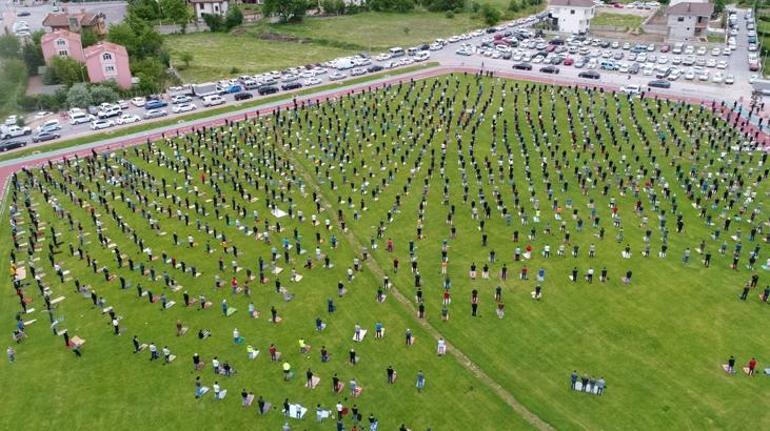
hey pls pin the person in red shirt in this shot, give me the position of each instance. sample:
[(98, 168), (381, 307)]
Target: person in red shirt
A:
[(752, 365), (273, 350)]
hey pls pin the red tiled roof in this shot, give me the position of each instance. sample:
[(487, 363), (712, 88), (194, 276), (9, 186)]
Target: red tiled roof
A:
[(62, 19)]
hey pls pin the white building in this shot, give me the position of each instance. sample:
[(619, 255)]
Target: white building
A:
[(688, 20), (673, 3), (572, 16), (210, 7)]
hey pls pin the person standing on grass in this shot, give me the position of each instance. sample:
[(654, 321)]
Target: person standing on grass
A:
[(11, 354), (135, 341), (573, 379), (391, 374), (751, 366), (474, 302), (731, 365), (600, 385), (420, 381), (745, 293)]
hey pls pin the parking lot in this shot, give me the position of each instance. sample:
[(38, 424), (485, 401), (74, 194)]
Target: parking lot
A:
[(695, 70), (114, 12)]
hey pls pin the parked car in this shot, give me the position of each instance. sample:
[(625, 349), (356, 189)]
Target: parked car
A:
[(336, 76), (109, 112), (155, 104), (522, 66), (243, 96), (358, 71), (213, 100), (631, 89), (14, 132), (127, 119), (11, 145), (291, 86), (550, 69), (43, 136), (184, 107), (589, 74), (373, 68), (138, 101), (155, 113), (659, 83), (101, 124), (267, 89), (181, 99)]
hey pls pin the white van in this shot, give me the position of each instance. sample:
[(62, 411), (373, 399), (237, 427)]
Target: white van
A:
[(396, 52), (80, 118), (412, 51), (213, 100)]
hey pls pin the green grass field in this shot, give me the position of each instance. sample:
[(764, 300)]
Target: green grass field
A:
[(377, 160), (618, 19)]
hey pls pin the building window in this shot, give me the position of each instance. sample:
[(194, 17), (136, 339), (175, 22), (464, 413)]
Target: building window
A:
[(64, 53), (60, 42), (216, 8), (680, 19), (109, 70), (107, 56), (572, 12)]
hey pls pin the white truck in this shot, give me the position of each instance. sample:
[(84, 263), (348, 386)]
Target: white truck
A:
[(14, 131)]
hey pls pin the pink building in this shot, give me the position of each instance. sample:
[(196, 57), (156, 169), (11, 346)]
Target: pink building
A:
[(62, 43), (107, 60), (104, 61)]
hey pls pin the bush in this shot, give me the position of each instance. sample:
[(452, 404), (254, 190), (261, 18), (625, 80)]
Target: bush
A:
[(490, 14), (234, 70), (449, 14)]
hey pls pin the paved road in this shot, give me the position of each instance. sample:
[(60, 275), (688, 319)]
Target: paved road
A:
[(113, 10)]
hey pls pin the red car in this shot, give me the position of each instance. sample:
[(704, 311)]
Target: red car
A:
[(569, 61), (550, 48), (665, 48), (618, 5)]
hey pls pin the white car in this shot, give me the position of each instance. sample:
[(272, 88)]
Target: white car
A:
[(311, 81), (11, 120), (336, 76), (722, 65), (213, 100), (127, 119), (701, 50), (101, 124), (138, 101), (631, 89), (704, 76), (122, 103), (180, 99), (424, 55), (717, 78), (382, 57), (184, 107), (730, 79), (711, 63), (357, 71)]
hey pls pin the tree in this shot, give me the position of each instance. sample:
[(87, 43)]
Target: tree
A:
[(139, 38), (102, 94), (287, 10), (32, 55), (186, 57), (176, 11), (490, 14), (67, 71), (333, 7), (719, 6), (88, 37), (214, 22), (152, 75), (443, 5), (514, 6), (234, 18), (10, 47), (78, 96), (148, 10)]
